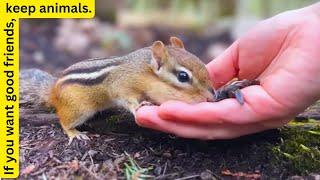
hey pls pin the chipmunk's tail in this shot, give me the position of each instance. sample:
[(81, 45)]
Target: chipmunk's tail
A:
[(35, 86)]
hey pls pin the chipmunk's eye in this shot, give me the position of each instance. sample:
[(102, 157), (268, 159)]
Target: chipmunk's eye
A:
[(183, 76)]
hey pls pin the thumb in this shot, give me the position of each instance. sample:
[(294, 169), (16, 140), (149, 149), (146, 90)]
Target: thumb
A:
[(250, 55), (225, 67)]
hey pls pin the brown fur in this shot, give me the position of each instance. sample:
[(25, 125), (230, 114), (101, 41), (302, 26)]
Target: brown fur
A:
[(131, 83)]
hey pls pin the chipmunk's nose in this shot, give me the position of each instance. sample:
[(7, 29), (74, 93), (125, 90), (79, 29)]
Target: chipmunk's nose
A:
[(209, 99), (212, 95)]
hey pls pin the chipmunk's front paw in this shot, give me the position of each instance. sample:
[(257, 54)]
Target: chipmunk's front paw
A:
[(76, 134), (144, 103), (232, 90)]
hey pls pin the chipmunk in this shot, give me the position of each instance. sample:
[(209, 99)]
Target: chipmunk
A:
[(149, 75)]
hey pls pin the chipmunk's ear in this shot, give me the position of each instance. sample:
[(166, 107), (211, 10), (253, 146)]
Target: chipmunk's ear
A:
[(159, 54), (176, 42)]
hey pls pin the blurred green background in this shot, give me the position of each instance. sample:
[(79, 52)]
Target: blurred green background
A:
[(207, 28)]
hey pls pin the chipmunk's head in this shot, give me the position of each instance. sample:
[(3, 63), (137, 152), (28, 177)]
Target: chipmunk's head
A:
[(186, 76)]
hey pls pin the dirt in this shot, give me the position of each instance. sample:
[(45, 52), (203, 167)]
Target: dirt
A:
[(115, 138), (44, 149)]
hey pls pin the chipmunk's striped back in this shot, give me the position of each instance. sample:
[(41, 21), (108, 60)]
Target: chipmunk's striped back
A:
[(94, 71)]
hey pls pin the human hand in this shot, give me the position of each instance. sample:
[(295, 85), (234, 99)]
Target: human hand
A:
[(282, 52)]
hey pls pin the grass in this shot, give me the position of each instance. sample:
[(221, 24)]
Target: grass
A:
[(133, 171)]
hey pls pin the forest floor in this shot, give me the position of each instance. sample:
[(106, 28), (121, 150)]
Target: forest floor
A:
[(119, 149)]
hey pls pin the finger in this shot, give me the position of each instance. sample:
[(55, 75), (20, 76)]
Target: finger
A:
[(258, 106), (250, 55), (148, 117), (225, 67), (144, 114)]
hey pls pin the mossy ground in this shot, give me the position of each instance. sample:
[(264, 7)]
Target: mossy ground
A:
[(299, 148)]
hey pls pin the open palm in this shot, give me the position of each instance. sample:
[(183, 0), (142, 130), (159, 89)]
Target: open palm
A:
[(282, 52)]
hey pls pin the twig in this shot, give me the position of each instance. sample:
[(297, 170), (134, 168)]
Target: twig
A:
[(39, 172), (165, 176), (165, 168), (56, 160)]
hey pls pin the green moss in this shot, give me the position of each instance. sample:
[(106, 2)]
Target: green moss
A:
[(306, 122), (298, 149)]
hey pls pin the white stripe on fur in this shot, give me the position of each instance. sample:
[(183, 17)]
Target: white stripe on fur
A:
[(87, 76)]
